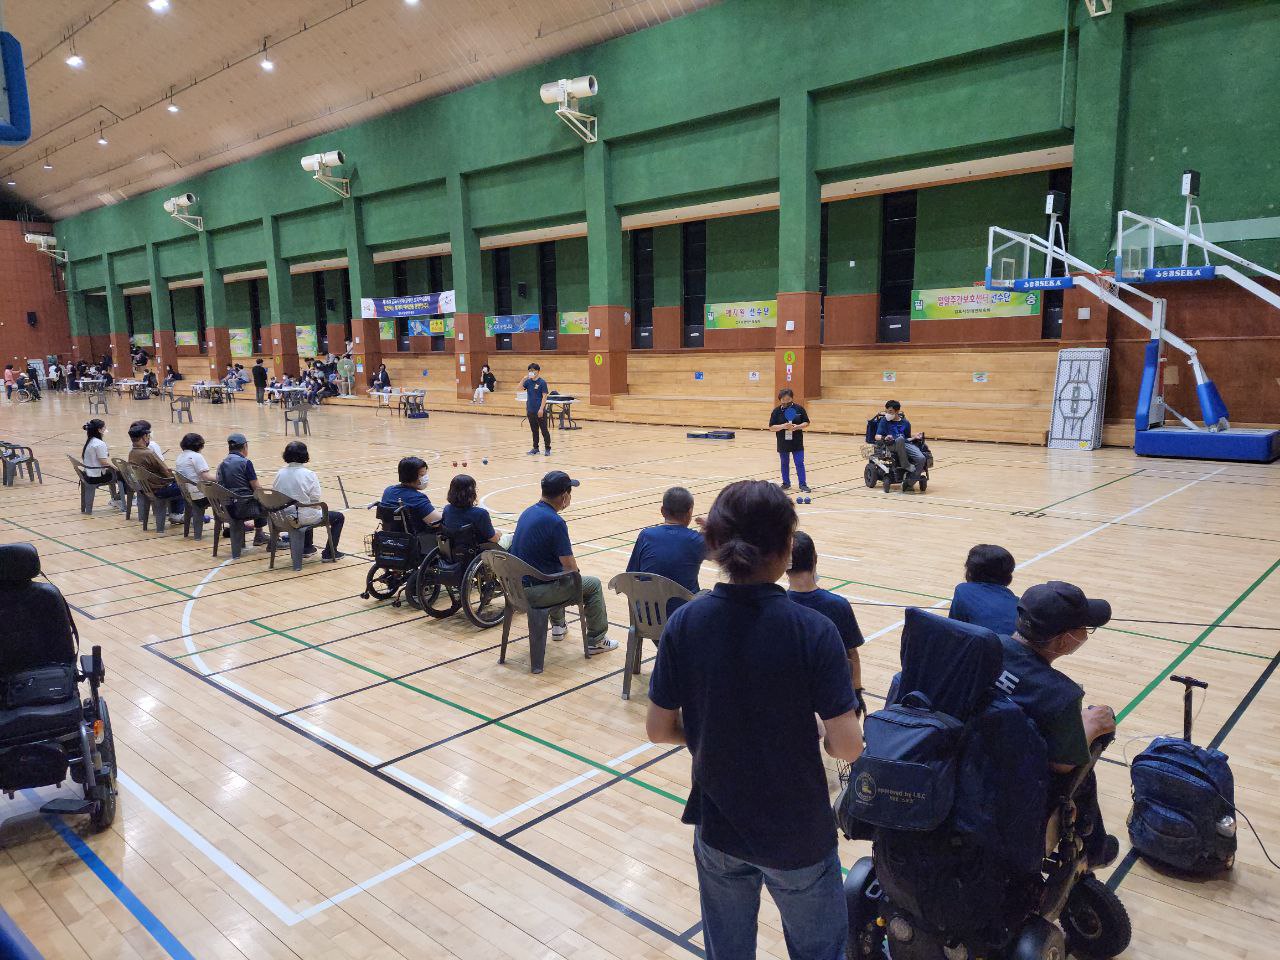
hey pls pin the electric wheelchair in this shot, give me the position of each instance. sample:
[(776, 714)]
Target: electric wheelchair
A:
[(46, 729), (882, 467), (436, 569), (993, 878)]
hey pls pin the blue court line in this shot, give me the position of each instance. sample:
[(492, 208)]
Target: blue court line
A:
[(159, 932), (14, 944)]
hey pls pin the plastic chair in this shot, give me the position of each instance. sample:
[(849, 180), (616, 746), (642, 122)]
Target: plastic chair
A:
[(179, 406), (220, 501), (511, 572), (299, 417), (129, 485), (193, 515), (278, 516), (88, 489), (15, 458), (148, 502), (648, 598), (98, 401)]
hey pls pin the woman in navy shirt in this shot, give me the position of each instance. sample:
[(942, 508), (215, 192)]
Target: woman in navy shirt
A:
[(985, 598), (741, 673), (462, 510)]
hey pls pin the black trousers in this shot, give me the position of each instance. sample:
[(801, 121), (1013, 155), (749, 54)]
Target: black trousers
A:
[(535, 423), (336, 520)]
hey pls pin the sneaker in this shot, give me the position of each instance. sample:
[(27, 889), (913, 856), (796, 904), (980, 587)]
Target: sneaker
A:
[(328, 557), (1106, 854), (559, 631), (547, 453), (260, 540), (786, 486), (805, 489), (532, 453), (310, 551), (116, 504), (600, 645)]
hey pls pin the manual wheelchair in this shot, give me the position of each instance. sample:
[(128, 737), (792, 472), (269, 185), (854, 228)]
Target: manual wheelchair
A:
[(435, 569), (46, 729)]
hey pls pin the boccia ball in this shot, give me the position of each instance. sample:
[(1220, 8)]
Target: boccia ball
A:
[(464, 463), (485, 461), (455, 463)]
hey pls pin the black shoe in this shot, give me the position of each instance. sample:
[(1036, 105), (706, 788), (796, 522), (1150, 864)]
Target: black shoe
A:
[(328, 557), (805, 489), (547, 452), (786, 486), (1106, 853), (310, 551), (260, 540), (532, 453), (908, 487)]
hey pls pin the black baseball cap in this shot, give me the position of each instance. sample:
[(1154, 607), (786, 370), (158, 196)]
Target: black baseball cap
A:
[(557, 483), (1048, 609)]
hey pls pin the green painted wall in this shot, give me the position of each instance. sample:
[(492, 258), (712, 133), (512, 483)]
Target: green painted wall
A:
[(952, 222), (140, 306), (311, 234), (668, 284), (571, 274), (853, 233), (96, 313), (238, 315), (742, 257), (184, 307)]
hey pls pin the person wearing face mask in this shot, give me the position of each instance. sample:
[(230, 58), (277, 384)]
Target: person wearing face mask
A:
[(409, 492), (789, 421), (897, 428), (1054, 620)]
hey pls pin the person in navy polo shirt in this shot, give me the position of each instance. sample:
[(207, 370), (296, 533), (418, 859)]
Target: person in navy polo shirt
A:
[(462, 510), (409, 491), (740, 675), (535, 407), (671, 549), (802, 582), (894, 426), (542, 541), (985, 598)]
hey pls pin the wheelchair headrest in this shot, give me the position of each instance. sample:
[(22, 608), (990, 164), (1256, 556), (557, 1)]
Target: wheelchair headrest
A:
[(952, 663), (19, 563)]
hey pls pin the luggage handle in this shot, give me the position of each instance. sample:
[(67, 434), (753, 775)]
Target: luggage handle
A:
[(1188, 684)]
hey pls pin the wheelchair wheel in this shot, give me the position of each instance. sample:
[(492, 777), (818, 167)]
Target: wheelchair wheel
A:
[(861, 894), (870, 475), (1039, 940), (434, 598), (483, 600), (1096, 922), (888, 482), (382, 582), (104, 794)]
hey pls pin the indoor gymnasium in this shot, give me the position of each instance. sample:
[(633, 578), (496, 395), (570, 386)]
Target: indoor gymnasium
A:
[(640, 479)]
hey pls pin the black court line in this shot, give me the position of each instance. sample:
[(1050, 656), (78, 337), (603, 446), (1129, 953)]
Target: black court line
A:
[(312, 646), (262, 617), (692, 931), (507, 716), (598, 788), (1122, 870), (580, 885)]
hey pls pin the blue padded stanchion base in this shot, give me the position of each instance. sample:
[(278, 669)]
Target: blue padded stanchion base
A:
[(1237, 444)]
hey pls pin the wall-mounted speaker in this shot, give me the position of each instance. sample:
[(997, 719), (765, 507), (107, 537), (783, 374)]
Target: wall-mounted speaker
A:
[(522, 290), (32, 319)]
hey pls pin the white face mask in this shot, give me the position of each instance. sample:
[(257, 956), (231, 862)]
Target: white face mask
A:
[(422, 481)]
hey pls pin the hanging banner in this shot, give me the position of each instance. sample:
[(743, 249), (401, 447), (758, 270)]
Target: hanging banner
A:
[(242, 341), (418, 305), (143, 340), (956, 303), (742, 315), (512, 323), (308, 342), (386, 329), (186, 338), (575, 322), (431, 327)]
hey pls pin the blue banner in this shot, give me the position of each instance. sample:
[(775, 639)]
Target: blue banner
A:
[(418, 305), (1044, 283), (1153, 274), (512, 323)]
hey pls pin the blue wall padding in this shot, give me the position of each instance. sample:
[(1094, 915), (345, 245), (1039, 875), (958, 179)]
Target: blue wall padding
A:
[(18, 129)]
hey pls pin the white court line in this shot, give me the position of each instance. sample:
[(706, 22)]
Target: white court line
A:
[(895, 513), (1071, 542)]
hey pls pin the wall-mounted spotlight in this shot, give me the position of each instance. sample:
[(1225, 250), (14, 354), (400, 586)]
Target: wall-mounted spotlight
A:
[(565, 94), (179, 208), (322, 164), (1098, 8), (48, 244)]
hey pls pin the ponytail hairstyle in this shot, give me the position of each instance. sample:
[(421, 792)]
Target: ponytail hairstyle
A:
[(93, 431), (750, 523)]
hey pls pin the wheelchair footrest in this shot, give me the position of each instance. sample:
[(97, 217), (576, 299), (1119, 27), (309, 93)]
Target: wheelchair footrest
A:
[(68, 806)]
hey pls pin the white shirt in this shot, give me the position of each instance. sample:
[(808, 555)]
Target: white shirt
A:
[(189, 465), (155, 448), (296, 482), (96, 456)]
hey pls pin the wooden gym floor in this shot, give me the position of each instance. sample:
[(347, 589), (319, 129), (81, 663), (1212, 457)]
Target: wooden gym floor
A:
[(308, 774)]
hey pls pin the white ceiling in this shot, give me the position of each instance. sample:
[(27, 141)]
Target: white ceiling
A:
[(336, 62)]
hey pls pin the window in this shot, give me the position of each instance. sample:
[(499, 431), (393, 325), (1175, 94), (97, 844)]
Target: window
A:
[(502, 291), (317, 287), (548, 297), (128, 315), (693, 258), (255, 315), (400, 288), (897, 265), (824, 253), (642, 288)]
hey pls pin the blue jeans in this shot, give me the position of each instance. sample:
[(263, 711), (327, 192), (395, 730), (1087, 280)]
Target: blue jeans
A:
[(815, 920), (786, 467)]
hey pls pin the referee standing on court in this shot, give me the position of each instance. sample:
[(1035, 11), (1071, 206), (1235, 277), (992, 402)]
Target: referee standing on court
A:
[(788, 422)]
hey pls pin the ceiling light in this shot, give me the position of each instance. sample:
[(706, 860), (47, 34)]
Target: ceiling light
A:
[(11, 183), (172, 107), (410, 3), (75, 60), (48, 165), (267, 64), (102, 141), (159, 6)]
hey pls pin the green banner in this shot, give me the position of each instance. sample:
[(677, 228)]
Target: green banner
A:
[(186, 338), (575, 322), (308, 342), (143, 340), (956, 303), (241, 341), (742, 315), (386, 329)]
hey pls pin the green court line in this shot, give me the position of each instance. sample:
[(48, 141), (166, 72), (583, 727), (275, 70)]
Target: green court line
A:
[(1083, 492), (262, 636), (534, 738), (1186, 643), (1204, 635)]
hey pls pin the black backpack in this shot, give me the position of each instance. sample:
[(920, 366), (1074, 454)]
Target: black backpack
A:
[(1183, 811)]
